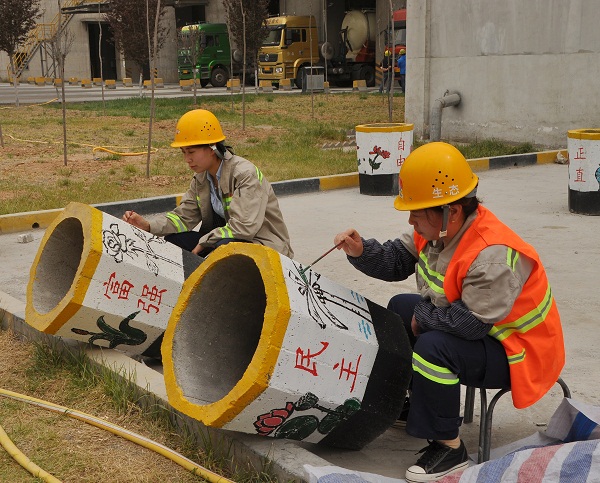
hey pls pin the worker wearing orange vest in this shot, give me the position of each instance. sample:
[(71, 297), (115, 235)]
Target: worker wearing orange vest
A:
[(484, 315)]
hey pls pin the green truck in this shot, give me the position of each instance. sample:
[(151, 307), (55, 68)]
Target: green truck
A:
[(208, 45)]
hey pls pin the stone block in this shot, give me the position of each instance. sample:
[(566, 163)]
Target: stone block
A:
[(359, 85), (265, 86), (25, 238), (285, 84), (234, 85)]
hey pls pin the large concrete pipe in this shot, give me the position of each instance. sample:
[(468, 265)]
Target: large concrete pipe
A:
[(98, 279), (257, 346), (435, 130)]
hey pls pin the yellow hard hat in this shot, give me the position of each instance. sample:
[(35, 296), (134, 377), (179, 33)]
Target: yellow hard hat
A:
[(434, 174), (402, 51), (197, 127), (387, 52)]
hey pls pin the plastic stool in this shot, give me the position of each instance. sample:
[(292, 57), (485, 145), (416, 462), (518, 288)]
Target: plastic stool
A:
[(485, 426)]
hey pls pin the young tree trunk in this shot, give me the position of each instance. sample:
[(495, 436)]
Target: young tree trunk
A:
[(195, 87), (141, 82), (14, 78), (244, 71), (64, 111), (391, 81), (152, 53), (100, 59)]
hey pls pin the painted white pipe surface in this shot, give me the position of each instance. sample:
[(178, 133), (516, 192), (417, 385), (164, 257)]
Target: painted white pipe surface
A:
[(98, 279), (253, 346)]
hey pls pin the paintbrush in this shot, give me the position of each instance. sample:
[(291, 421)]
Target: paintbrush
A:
[(321, 257)]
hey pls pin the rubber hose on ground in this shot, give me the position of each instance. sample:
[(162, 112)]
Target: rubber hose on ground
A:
[(23, 460), (124, 433)]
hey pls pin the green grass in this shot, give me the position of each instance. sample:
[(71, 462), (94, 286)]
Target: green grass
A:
[(282, 135), (492, 147)]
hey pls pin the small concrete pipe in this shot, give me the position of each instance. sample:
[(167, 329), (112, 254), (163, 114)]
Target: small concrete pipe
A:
[(255, 345), (98, 279), (435, 131)]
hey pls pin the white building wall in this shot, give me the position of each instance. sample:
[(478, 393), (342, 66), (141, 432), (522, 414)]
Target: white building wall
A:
[(526, 71)]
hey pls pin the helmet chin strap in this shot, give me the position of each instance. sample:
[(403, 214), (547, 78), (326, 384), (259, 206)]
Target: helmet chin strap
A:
[(445, 216), (216, 151)]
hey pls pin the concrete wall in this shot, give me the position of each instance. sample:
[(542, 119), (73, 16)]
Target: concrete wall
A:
[(526, 71)]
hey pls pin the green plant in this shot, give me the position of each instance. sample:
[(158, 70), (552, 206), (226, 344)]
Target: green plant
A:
[(109, 157), (493, 147), (66, 172), (130, 169)]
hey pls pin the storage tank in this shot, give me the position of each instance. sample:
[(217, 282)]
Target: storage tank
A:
[(362, 32)]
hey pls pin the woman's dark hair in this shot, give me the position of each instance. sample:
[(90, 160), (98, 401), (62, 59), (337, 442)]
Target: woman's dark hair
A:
[(222, 148), (469, 205)]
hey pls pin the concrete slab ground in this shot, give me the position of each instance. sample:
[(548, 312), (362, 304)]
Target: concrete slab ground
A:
[(532, 200)]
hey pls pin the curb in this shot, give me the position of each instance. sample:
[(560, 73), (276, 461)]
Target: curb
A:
[(17, 222)]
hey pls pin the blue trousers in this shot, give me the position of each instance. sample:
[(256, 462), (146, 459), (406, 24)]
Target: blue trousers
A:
[(435, 407)]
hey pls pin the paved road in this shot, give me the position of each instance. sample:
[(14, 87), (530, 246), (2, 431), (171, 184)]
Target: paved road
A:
[(32, 94), (532, 200)]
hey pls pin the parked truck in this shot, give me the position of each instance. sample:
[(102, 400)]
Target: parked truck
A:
[(212, 52), (293, 44), (399, 38)]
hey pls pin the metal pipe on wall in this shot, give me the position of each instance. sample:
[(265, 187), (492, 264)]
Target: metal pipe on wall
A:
[(435, 130)]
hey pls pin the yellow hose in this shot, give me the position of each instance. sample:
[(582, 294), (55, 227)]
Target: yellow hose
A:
[(124, 433), (23, 460), (94, 148), (30, 105)]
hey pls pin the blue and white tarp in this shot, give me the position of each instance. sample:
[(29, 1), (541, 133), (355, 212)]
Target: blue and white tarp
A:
[(567, 452)]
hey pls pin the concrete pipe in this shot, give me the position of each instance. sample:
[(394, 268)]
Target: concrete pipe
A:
[(255, 345), (100, 280)]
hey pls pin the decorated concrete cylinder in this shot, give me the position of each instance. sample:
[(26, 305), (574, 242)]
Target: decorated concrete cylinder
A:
[(584, 171), (255, 345), (98, 279), (381, 149)]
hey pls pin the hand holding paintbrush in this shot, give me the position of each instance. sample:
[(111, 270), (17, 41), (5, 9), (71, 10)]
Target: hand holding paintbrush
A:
[(353, 244)]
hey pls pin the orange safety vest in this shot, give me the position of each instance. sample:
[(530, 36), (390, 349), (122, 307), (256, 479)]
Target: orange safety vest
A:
[(531, 333)]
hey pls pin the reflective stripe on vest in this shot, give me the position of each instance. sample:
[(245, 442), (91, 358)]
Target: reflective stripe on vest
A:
[(525, 323), (437, 374), (511, 258), (226, 232), (226, 202), (434, 280), (259, 175), (179, 225)]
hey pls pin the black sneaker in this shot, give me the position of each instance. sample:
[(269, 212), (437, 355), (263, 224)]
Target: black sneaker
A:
[(401, 421), (438, 460)]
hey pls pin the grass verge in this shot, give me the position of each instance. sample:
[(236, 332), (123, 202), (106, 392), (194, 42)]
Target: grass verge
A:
[(74, 451), (283, 135)]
